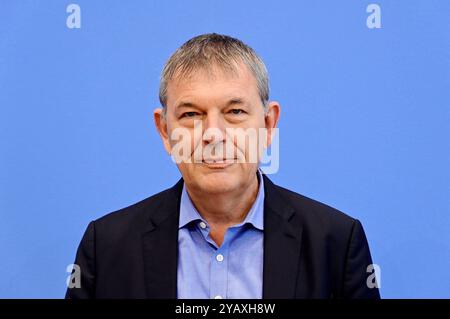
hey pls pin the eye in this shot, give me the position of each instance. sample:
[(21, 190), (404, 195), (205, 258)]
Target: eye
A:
[(236, 111), (189, 114)]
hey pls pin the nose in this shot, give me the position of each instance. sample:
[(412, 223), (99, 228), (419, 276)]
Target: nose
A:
[(213, 128)]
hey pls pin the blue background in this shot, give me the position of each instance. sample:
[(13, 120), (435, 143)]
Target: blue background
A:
[(364, 126)]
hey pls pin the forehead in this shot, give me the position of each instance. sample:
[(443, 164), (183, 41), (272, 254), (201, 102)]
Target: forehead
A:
[(213, 83)]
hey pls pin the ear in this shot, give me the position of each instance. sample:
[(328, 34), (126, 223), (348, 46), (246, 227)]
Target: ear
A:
[(271, 119), (161, 125)]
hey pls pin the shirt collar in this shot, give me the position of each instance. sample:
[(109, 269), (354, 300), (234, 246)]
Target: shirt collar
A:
[(255, 216)]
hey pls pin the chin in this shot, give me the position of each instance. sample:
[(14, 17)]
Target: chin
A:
[(217, 182)]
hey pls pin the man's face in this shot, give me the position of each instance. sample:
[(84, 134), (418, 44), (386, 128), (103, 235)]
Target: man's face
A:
[(206, 108)]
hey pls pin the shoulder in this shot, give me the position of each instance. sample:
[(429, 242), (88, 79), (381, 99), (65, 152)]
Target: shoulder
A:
[(136, 217), (316, 216)]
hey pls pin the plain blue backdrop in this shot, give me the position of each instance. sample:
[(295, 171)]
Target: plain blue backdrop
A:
[(364, 125)]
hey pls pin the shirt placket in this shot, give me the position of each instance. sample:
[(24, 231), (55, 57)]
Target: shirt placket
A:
[(219, 272)]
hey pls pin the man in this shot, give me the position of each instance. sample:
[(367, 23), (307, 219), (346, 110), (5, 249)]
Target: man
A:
[(224, 230)]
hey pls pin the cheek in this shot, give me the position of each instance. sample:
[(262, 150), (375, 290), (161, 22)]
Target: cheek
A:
[(249, 144)]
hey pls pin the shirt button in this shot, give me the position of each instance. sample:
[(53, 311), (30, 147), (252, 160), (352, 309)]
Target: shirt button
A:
[(218, 297), (219, 257), (203, 225)]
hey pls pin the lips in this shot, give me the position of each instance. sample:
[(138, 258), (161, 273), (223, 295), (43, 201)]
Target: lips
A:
[(215, 163), (219, 160)]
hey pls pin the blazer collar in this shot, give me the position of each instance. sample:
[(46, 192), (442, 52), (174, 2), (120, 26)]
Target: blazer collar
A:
[(160, 245), (282, 245)]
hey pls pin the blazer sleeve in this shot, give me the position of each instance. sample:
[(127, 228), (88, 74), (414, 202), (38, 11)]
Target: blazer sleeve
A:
[(356, 274), (85, 259)]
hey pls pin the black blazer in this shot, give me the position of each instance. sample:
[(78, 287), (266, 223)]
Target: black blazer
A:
[(310, 250)]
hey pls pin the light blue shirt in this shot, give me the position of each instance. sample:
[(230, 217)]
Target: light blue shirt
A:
[(233, 270)]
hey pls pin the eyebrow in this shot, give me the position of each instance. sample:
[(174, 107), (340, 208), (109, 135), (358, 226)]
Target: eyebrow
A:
[(232, 101), (236, 100), (185, 104)]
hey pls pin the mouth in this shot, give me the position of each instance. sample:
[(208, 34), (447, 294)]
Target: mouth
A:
[(218, 163)]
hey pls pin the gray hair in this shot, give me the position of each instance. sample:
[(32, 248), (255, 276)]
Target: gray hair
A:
[(208, 50)]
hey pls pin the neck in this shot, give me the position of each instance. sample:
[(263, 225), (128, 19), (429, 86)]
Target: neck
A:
[(226, 209)]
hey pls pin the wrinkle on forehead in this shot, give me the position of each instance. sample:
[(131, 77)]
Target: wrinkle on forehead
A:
[(211, 74), (210, 71)]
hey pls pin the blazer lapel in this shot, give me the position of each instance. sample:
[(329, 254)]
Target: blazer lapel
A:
[(160, 247), (282, 246)]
